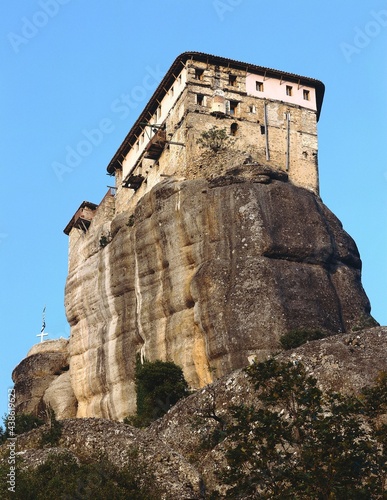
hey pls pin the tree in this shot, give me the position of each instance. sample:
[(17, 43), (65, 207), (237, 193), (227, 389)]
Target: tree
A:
[(375, 407), (298, 442), (295, 338), (64, 476), (23, 422), (52, 434), (159, 385)]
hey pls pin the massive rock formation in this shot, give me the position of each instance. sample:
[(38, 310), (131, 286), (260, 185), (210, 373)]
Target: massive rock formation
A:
[(43, 379), (209, 274), (180, 447)]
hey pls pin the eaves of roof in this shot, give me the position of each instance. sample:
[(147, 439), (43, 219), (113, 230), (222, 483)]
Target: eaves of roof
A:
[(171, 75), (84, 204)]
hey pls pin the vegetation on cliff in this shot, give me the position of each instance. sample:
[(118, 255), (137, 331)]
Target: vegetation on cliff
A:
[(159, 386), (307, 424), (62, 476), (299, 442)]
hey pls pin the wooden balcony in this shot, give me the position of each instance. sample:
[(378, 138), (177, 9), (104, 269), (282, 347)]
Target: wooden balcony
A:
[(82, 217), (156, 145)]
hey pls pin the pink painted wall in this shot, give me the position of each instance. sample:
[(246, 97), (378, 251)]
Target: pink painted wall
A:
[(276, 89)]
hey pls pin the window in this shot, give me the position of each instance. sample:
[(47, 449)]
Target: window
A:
[(259, 86), (306, 95), (233, 107), (263, 129), (252, 109), (234, 129), (289, 90), (232, 80), (199, 74), (200, 99)]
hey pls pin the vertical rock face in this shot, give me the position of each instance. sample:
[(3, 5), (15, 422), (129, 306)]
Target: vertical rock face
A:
[(207, 274)]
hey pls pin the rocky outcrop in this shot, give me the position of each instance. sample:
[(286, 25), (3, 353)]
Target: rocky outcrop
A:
[(92, 438), (208, 274), (178, 447), (344, 363), (43, 379)]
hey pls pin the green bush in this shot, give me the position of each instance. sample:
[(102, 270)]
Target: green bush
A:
[(62, 477), (131, 221), (295, 338), (159, 385), (214, 139), (24, 422), (104, 240), (52, 435), (298, 442)]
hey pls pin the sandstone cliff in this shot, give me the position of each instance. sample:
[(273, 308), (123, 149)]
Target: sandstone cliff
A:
[(208, 274)]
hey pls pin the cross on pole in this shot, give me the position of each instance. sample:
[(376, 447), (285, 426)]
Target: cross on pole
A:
[(42, 334)]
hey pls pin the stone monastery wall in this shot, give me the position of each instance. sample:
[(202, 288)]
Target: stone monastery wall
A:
[(269, 130), (270, 119)]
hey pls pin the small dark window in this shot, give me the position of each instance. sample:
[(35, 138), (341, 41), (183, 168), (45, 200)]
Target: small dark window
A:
[(232, 80), (263, 129), (233, 107), (259, 86), (200, 99), (234, 129), (289, 90), (306, 95), (252, 109), (199, 74)]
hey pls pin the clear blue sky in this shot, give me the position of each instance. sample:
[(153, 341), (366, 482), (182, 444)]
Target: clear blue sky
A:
[(66, 65)]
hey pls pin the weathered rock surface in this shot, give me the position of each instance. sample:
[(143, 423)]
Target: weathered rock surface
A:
[(59, 395), (42, 379), (176, 446), (344, 363), (91, 438), (208, 274), (58, 345)]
